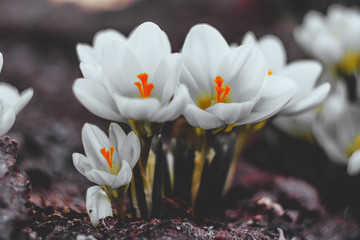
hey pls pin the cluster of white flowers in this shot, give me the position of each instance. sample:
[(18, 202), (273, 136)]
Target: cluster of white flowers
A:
[(139, 81), (211, 84), (333, 39), (11, 103)]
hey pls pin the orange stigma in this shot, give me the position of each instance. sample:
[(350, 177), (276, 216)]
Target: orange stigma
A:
[(221, 92), (144, 87), (270, 73), (108, 155)]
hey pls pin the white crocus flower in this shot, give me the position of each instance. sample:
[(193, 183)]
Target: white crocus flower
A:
[(11, 103), (108, 161), (228, 86), (333, 39), (98, 204), (140, 79), (301, 125), (304, 72), (337, 130)]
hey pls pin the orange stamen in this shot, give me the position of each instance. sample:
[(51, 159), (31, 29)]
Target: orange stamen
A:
[(108, 155), (221, 92), (144, 87), (270, 73)]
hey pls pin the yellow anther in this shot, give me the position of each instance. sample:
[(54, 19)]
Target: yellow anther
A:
[(353, 146)]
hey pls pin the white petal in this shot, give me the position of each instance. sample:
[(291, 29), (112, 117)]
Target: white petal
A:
[(207, 47), (116, 133), (277, 93), (7, 118), (137, 108), (149, 44), (100, 177), (321, 45), (274, 52), (314, 99), (127, 145), (82, 163), (94, 96), (296, 124), (98, 204), (336, 105), (92, 72), (166, 77), (304, 72), (245, 71), (86, 54), (250, 39), (231, 112), (197, 117), (332, 149), (123, 177), (353, 167), (9, 94), (194, 77), (94, 139), (104, 37), (25, 98), (121, 68), (174, 108)]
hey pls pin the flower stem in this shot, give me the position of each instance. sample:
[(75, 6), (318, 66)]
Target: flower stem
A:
[(119, 205), (244, 135), (117, 198), (145, 143), (140, 186), (206, 139)]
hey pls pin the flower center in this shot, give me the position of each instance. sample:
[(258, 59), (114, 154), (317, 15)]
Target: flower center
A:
[(108, 155), (352, 146), (221, 92), (350, 63), (207, 100), (270, 73), (144, 87)]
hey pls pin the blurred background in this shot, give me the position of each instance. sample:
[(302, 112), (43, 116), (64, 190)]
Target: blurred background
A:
[(38, 39)]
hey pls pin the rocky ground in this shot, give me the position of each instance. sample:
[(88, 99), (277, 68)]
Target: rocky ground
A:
[(289, 191)]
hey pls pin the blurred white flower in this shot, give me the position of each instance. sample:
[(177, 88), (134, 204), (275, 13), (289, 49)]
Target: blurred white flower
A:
[(353, 167), (228, 85), (304, 72), (108, 161), (98, 204), (11, 103), (140, 77), (333, 39), (301, 125), (337, 130), (298, 126)]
